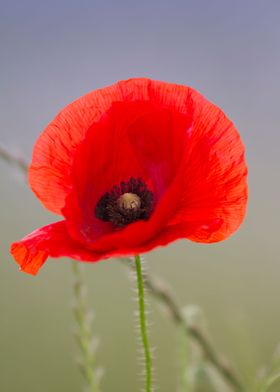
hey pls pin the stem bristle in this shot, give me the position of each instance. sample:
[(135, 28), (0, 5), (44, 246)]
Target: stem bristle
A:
[(145, 356)]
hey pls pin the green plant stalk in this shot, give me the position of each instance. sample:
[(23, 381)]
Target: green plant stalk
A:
[(5, 155), (271, 382), (143, 324), (161, 293), (185, 364), (84, 334)]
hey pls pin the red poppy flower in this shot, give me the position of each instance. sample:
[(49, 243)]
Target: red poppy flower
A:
[(133, 166)]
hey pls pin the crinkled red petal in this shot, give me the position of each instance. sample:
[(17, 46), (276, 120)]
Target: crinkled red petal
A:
[(215, 181), (49, 173), (53, 240), (50, 169), (139, 140)]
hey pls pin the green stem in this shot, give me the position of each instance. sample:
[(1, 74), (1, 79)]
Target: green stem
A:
[(84, 334), (143, 324), (272, 381), (161, 292)]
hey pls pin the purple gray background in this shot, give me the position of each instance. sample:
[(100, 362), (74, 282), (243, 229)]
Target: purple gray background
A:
[(52, 52)]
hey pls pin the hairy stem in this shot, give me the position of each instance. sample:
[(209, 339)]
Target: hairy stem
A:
[(84, 334), (143, 324), (160, 292)]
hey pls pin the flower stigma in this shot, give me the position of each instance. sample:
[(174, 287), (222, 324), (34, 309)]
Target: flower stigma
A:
[(126, 203), (129, 201)]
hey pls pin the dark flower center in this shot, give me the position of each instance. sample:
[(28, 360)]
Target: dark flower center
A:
[(126, 203)]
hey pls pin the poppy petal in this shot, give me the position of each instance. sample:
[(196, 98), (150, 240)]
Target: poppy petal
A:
[(123, 144), (50, 169), (215, 181), (53, 240), (49, 172)]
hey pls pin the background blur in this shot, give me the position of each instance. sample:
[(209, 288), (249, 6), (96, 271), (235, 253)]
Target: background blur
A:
[(52, 52)]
